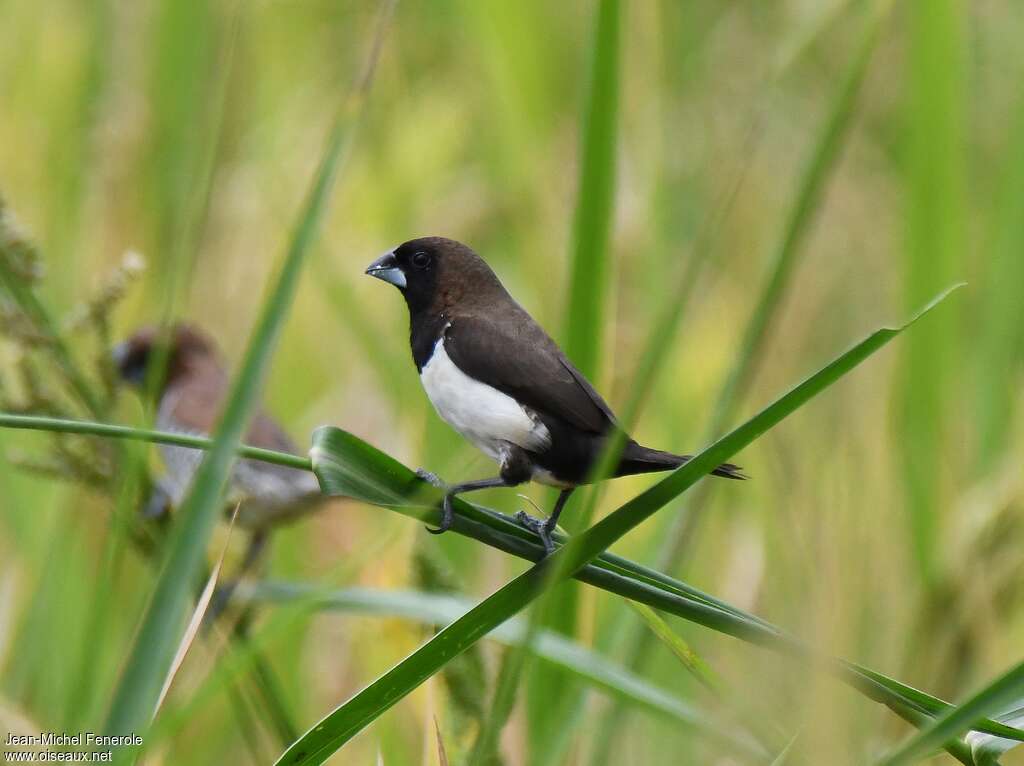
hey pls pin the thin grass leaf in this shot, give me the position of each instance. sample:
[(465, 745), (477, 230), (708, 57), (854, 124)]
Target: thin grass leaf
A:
[(362, 471), (1004, 691), (985, 748), (549, 646), (63, 425), (1000, 340), (442, 755), (783, 757), (546, 692), (611, 528), (349, 459), (195, 56), (72, 151), (87, 693), (351, 717), (350, 465), (150, 655), (345, 464), (682, 535), (585, 317), (241, 657), (675, 644), (513, 661), (936, 225), (785, 259), (184, 198), (202, 604), (592, 224)]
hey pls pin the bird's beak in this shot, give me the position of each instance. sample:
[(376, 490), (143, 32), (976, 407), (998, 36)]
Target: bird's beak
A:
[(386, 268), (119, 360), (118, 355)]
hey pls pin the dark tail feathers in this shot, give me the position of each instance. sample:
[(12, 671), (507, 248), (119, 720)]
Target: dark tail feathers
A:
[(639, 459)]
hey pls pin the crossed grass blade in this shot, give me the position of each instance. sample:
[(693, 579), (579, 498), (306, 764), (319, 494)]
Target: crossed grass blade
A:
[(338, 727), (154, 643)]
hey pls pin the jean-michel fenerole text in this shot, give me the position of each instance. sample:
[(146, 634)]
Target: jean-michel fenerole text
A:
[(81, 739)]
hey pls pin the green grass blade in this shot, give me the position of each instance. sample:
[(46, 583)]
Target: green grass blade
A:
[(676, 645), (435, 609), (614, 526), (783, 757), (985, 748), (133, 701), (62, 425), (1002, 692), (592, 225), (347, 465), (346, 721), (1000, 340), (503, 700), (934, 256), (786, 258), (789, 250), (682, 534), (590, 274), (240, 658)]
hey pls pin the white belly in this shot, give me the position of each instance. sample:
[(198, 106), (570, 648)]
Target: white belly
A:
[(488, 418)]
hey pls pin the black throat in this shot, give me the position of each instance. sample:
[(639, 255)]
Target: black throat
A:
[(425, 328)]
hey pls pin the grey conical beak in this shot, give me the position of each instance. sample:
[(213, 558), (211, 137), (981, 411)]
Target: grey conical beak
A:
[(119, 354), (386, 268)]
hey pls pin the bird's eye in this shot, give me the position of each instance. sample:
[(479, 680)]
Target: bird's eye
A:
[(420, 259)]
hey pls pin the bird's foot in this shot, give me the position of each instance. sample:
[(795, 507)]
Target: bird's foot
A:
[(447, 516), (447, 513), (540, 527), (431, 478)]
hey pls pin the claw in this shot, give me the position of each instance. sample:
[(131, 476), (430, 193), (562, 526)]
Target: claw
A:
[(539, 527), (447, 513), (447, 516)]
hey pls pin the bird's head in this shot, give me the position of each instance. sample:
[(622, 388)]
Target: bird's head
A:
[(185, 348), (434, 274)]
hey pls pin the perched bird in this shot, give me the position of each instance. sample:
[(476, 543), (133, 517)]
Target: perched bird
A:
[(191, 395), (497, 378)]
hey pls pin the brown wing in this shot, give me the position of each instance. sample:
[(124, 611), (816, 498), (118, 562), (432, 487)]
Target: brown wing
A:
[(518, 358), (266, 433), (268, 493), (195, 405)]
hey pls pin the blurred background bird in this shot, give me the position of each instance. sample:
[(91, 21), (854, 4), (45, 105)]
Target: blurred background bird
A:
[(184, 369)]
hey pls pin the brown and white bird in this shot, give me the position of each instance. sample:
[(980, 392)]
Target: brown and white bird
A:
[(497, 378), (191, 395)]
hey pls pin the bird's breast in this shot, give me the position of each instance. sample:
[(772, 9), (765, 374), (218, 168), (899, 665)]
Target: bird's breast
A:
[(487, 417)]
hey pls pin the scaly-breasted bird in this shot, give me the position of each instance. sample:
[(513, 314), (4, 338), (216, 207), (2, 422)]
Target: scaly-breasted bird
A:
[(191, 395), (497, 378)]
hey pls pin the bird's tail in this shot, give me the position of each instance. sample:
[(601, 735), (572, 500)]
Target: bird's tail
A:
[(639, 459)]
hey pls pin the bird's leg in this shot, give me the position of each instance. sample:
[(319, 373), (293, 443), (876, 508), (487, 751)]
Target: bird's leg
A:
[(447, 512), (543, 528)]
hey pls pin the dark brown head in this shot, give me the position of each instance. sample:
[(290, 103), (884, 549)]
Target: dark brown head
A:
[(437, 274), (188, 350)]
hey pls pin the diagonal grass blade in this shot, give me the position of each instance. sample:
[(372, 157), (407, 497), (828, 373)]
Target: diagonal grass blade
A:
[(338, 727)]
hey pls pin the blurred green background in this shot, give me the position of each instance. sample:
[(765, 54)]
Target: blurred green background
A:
[(884, 520)]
